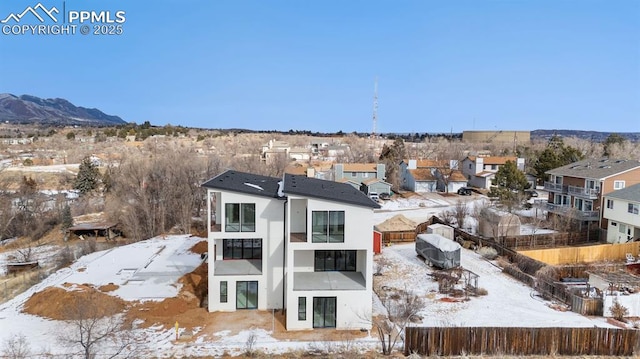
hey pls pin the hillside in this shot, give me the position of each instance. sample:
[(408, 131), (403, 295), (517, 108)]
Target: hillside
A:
[(28, 109)]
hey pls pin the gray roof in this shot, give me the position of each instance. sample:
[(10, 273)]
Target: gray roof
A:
[(595, 169), (329, 190), (243, 182), (265, 186), (631, 193)]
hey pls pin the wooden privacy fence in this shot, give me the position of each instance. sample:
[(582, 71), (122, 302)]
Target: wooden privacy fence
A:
[(519, 341), (586, 254), (551, 240)]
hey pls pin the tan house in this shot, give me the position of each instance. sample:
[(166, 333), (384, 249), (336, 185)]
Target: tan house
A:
[(577, 190)]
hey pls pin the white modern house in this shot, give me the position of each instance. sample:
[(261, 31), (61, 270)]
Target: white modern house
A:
[(622, 212), (296, 243)]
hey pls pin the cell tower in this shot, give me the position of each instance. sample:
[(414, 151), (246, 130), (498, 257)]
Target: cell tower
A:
[(375, 108)]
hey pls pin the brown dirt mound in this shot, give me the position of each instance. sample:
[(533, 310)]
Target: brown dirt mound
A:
[(108, 287), (200, 247), (185, 309), (60, 304)]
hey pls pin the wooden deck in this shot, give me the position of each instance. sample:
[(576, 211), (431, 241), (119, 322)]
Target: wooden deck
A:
[(298, 237)]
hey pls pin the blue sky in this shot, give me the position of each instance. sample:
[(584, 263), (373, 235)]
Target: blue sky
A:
[(310, 65)]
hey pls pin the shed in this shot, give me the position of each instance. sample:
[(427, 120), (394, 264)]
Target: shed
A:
[(438, 250), (495, 223), (95, 229), (397, 229), (441, 229)]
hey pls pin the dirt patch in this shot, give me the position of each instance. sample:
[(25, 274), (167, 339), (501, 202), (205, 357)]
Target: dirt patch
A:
[(61, 304), (200, 247), (185, 308), (108, 287)]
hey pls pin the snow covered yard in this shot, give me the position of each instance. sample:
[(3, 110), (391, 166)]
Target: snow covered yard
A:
[(508, 303)]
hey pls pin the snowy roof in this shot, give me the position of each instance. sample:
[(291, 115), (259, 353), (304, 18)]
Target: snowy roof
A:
[(440, 242)]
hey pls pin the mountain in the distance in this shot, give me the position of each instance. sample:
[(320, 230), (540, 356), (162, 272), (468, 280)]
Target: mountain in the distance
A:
[(28, 109)]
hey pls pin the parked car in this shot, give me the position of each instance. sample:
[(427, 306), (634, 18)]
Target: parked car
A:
[(374, 196), (530, 193), (464, 191), (384, 196)]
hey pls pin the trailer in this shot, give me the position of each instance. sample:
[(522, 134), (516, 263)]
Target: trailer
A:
[(438, 251)]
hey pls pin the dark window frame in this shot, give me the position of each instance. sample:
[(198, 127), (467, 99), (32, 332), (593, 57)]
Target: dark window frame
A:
[(328, 226), (224, 294), (302, 308), (249, 285), (335, 261), (241, 248), (246, 217)]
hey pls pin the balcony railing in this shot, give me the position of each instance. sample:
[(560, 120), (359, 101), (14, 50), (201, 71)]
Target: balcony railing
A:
[(567, 210), (554, 187), (591, 193)]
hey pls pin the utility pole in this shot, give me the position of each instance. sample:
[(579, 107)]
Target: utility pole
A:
[(375, 108)]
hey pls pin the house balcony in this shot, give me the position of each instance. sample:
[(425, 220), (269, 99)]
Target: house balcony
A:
[(566, 210), (312, 281), (589, 193), (237, 267), (554, 187)]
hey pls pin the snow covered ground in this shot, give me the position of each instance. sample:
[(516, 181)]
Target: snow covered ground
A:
[(508, 302), (149, 270)]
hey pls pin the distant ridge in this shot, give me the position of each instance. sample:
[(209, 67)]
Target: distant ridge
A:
[(27, 109), (594, 136)]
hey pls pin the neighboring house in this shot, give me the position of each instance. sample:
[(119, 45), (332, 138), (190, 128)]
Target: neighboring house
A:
[(577, 189), (299, 244), (431, 176), (481, 170), (622, 212), (368, 177), (273, 149)]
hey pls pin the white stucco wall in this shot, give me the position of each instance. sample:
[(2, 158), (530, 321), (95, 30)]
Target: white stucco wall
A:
[(352, 305), (270, 228)]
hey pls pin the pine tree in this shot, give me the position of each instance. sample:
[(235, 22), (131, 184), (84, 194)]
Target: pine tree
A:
[(88, 176), (67, 218), (509, 184)]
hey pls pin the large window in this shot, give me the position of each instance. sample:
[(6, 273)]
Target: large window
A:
[(240, 217), (242, 248), (633, 208), (324, 312), (246, 295), (327, 226), (302, 308), (610, 203), (327, 261), (223, 291)]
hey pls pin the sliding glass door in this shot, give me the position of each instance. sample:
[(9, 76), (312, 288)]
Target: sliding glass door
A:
[(246, 295), (324, 312)]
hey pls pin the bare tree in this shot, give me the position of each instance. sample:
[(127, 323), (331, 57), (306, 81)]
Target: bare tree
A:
[(401, 308), (95, 326), (460, 212), (16, 347)]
